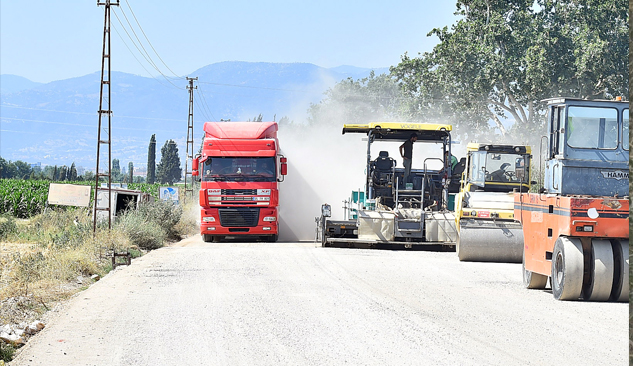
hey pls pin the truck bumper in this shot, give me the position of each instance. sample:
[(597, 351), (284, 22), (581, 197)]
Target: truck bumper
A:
[(267, 224)]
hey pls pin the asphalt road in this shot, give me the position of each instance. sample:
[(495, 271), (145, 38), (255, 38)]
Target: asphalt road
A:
[(201, 303)]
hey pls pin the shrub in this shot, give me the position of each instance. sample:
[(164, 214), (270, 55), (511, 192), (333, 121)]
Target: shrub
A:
[(7, 226), (142, 232), (165, 214), (6, 352)]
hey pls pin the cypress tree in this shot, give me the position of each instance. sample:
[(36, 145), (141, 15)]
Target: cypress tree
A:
[(151, 160), (168, 170), (130, 167), (72, 173)]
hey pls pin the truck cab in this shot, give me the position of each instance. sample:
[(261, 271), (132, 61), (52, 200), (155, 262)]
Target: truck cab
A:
[(239, 169)]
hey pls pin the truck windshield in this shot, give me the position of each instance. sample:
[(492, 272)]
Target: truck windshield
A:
[(239, 170)]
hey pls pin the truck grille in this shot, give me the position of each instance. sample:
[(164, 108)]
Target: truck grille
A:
[(238, 198), (239, 217), (239, 192)]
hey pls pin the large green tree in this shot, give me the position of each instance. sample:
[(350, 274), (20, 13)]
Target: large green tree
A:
[(168, 170), (502, 57), (358, 101), (151, 160)]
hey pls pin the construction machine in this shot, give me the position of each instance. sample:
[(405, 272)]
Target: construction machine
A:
[(576, 232), (390, 211), (484, 207)]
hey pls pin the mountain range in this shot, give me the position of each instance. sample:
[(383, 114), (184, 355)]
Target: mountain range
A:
[(56, 123)]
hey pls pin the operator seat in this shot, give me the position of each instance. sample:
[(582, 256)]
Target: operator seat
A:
[(383, 168), (455, 184)]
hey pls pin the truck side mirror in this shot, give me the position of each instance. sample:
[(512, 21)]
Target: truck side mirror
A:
[(195, 163), (284, 166)]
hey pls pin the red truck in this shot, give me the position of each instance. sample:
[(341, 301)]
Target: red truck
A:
[(240, 168)]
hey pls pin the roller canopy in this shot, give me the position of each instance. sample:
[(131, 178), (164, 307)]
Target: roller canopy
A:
[(401, 130)]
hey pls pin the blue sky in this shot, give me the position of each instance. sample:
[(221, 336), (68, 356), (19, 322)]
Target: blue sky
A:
[(53, 40)]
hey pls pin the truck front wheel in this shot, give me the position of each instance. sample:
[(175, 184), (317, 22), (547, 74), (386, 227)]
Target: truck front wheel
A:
[(272, 238), (207, 238)]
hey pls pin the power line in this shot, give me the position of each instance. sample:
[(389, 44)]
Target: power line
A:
[(150, 43), (84, 113), (144, 54), (205, 102), (136, 58), (80, 125), (202, 109)]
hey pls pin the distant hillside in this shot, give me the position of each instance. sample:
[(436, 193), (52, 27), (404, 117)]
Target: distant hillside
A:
[(13, 83), (56, 123)]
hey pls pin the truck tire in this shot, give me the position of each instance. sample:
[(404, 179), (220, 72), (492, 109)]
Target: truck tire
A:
[(273, 238), (567, 269), (207, 238)]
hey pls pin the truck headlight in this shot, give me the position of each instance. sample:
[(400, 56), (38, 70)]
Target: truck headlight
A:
[(270, 218), (261, 198), (215, 198), (208, 219)]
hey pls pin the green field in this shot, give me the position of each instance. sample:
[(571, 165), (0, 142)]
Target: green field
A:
[(26, 198)]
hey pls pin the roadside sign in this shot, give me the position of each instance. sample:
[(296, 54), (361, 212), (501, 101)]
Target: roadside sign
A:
[(168, 194), (69, 195)]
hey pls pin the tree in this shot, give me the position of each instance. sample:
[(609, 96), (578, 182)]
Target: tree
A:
[(22, 169), (54, 176), (358, 101), (131, 172), (116, 170), (151, 160), (89, 176), (72, 173), (258, 118), (7, 169), (62, 173), (503, 57), (168, 170)]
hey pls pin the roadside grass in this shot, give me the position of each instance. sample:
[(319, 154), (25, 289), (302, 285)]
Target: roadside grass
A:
[(53, 255)]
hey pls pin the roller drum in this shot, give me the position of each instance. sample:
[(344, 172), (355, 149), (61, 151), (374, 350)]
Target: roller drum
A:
[(490, 241)]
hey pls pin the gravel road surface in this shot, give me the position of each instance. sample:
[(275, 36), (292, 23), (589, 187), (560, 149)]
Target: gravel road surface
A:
[(198, 303)]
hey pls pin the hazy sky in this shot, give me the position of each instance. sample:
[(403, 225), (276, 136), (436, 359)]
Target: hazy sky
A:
[(46, 40)]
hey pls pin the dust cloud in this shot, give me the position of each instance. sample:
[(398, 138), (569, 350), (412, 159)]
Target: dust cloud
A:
[(325, 166)]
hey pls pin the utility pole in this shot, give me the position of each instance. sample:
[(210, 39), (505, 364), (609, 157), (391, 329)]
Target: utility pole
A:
[(104, 138), (189, 154)]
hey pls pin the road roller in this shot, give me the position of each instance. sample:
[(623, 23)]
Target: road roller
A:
[(576, 229), (484, 206)]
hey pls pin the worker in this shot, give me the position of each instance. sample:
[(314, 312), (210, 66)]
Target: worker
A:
[(500, 174), (406, 151)]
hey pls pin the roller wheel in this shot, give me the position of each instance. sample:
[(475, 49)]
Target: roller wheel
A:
[(567, 269), (207, 238), (533, 280), (620, 291), (601, 280)]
